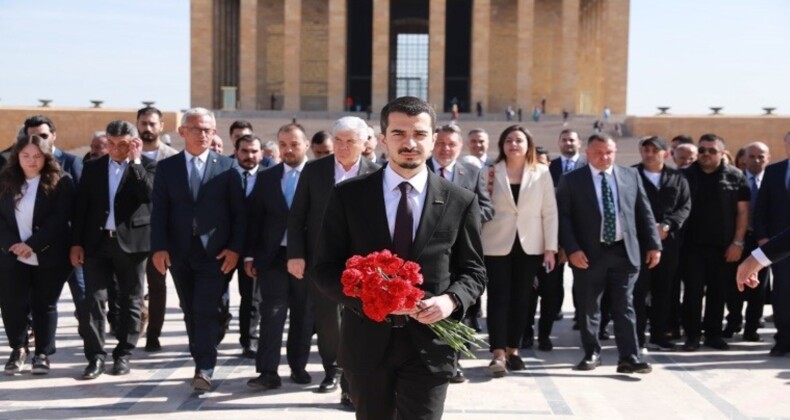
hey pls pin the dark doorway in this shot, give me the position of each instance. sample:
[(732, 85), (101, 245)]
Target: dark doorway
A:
[(457, 53), (408, 69), (359, 42)]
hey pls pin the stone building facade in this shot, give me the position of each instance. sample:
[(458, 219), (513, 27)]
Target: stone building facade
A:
[(334, 54)]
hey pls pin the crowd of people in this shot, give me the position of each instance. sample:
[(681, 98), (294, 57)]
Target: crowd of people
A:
[(653, 248)]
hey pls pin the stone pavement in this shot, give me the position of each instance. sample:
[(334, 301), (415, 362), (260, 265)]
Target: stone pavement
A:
[(741, 383)]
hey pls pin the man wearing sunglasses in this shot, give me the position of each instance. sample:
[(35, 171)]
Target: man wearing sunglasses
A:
[(713, 242)]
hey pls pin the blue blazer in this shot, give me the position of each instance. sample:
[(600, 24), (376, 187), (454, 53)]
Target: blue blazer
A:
[(218, 211)]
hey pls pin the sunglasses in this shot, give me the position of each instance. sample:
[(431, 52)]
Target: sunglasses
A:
[(708, 150), (43, 135)]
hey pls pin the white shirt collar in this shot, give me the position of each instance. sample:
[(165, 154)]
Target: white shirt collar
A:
[(595, 172), (449, 168), (252, 171), (203, 156), (299, 167), (355, 166), (418, 181)]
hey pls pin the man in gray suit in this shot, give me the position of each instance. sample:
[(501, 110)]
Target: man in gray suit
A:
[(603, 247)]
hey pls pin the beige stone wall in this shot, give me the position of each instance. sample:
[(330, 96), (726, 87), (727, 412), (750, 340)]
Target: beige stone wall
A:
[(315, 49), (201, 47), (74, 126), (248, 55), (502, 55), (615, 57), (547, 62), (271, 46), (736, 131)]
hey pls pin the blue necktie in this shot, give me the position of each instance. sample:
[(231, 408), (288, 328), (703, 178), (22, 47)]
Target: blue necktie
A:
[(194, 178), (290, 186), (609, 221)]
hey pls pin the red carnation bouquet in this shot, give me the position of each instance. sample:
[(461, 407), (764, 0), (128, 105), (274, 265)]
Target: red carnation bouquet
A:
[(386, 283)]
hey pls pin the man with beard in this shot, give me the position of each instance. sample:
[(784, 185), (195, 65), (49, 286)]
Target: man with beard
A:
[(151, 127)]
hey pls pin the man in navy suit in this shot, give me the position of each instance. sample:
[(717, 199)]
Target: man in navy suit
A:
[(197, 230), (604, 247), (772, 216), (771, 252)]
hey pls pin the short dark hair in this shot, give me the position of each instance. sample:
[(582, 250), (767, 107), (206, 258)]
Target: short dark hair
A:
[(450, 128), (568, 131), (320, 137), (713, 137), (37, 120), (603, 138), (531, 157), (540, 150), (290, 127), (148, 110), (477, 131), (120, 128), (682, 139), (410, 106), (248, 138), (240, 125)]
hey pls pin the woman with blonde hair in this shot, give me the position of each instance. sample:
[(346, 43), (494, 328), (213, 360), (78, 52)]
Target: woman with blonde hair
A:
[(36, 200), (520, 240)]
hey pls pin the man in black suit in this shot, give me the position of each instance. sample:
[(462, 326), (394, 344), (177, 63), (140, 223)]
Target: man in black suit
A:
[(112, 234), (605, 247), (713, 241), (304, 223), (772, 216), (668, 193), (197, 230), (265, 260), (772, 251), (399, 367)]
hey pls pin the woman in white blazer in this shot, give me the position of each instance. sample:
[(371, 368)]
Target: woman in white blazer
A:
[(520, 240)]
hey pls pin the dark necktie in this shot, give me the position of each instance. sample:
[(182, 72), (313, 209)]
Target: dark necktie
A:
[(404, 223), (609, 221), (194, 178), (244, 181), (753, 202), (441, 172)]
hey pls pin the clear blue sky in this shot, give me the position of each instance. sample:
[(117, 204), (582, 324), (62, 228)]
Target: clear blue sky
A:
[(687, 54)]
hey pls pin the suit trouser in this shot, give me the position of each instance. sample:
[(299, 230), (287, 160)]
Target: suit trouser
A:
[(612, 272), (708, 275), (112, 267), (282, 293), (780, 300), (326, 315), (249, 306), (157, 299), (550, 292), (199, 282), (401, 387), (32, 289), (754, 297), (510, 280), (658, 283)]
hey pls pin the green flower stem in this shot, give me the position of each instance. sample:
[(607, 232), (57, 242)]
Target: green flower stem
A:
[(457, 336)]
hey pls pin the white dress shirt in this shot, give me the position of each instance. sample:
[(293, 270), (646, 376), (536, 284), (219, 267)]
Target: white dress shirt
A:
[(115, 172), (618, 236), (448, 170), (392, 195), (341, 174), (24, 215)]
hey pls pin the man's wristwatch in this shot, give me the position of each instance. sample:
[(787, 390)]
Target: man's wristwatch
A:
[(738, 243), (456, 301)]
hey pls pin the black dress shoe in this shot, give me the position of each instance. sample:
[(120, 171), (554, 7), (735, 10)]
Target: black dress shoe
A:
[(779, 351), (633, 365), (590, 362), (120, 366), (545, 344), (248, 352), (604, 335), (691, 344), (459, 377), (716, 343), (202, 380), (514, 362), (94, 370), (730, 330), (40, 364), (559, 316), (752, 336), (329, 384), (16, 361), (266, 380), (301, 377), (152, 345), (345, 400), (662, 344)]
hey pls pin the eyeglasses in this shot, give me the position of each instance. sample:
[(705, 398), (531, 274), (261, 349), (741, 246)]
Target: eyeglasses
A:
[(204, 131), (43, 135), (708, 150)]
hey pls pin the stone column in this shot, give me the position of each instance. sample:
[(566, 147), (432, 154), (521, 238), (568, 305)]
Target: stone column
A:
[(525, 54), (292, 55), (248, 54), (336, 66), (381, 54), (481, 34), (614, 61), (569, 46), (437, 33), (201, 53)]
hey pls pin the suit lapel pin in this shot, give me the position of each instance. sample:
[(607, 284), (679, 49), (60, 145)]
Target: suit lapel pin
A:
[(438, 202)]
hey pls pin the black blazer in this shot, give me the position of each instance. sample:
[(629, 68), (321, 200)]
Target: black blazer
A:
[(580, 217), (51, 231), (316, 183), (772, 211), (671, 203), (555, 167), (447, 246), (268, 217), (473, 179), (218, 211), (70, 164), (778, 248), (132, 205)]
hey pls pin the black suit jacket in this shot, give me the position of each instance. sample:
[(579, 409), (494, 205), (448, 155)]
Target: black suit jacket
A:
[(778, 248), (70, 164), (51, 226), (581, 219), (555, 168), (447, 246), (268, 217), (671, 202), (316, 183), (772, 211), (473, 179), (218, 211), (132, 205)]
